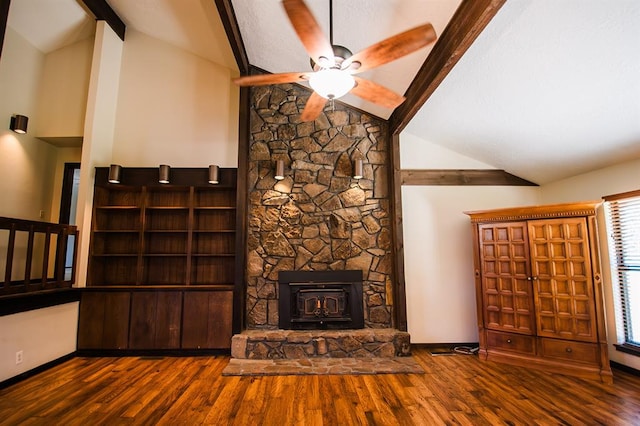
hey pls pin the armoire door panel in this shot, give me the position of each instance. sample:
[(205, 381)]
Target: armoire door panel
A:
[(562, 285), (505, 281)]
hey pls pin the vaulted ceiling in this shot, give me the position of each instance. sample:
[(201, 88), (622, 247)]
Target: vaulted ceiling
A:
[(547, 90)]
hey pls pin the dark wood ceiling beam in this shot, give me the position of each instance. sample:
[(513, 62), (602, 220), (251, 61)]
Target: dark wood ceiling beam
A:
[(103, 12), (4, 14), (471, 17), (461, 177), (230, 23)]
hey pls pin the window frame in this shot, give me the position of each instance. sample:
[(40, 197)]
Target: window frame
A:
[(623, 327)]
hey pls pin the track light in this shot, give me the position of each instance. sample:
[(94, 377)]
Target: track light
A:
[(115, 171), (357, 168), (19, 123), (164, 173), (279, 170), (214, 171)]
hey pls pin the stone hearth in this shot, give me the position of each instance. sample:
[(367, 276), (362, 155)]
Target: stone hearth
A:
[(290, 344), (321, 366)]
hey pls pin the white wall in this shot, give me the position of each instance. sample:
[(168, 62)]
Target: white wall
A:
[(63, 90), (28, 176), (97, 146), (593, 186), (438, 251), (42, 335), (23, 158), (174, 108)]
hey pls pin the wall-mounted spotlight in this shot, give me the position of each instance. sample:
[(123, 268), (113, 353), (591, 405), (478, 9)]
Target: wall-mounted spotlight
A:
[(115, 172), (357, 168), (163, 173), (214, 172), (279, 170), (19, 123)]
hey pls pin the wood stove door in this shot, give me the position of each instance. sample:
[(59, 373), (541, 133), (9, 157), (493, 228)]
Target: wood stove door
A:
[(322, 304)]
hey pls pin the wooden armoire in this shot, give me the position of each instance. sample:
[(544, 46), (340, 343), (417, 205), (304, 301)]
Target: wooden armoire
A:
[(539, 288)]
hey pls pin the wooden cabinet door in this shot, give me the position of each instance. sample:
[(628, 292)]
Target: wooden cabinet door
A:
[(155, 320), (506, 286), (207, 319), (563, 284), (104, 320)]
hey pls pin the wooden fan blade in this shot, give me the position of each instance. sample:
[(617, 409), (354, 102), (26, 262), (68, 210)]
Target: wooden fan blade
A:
[(392, 48), (265, 79), (372, 92), (309, 32), (314, 107)]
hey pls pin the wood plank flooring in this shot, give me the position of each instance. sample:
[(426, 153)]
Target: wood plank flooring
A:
[(191, 390)]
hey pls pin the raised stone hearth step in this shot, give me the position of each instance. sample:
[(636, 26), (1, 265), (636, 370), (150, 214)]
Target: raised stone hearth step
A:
[(295, 344), (322, 366)]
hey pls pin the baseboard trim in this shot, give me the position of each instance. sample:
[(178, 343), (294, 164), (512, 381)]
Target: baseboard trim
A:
[(624, 368), (151, 353), (23, 376), (443, 345)]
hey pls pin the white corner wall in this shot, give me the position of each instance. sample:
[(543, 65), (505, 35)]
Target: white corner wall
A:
[(174, 108), (97, 146), (438, 252), (43, 335), (437, 239)]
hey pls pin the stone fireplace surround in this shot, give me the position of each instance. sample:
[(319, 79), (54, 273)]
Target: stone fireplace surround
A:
[(317, 219)]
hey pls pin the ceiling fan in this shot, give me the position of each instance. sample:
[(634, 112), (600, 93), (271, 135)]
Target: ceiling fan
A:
[(334, 66)]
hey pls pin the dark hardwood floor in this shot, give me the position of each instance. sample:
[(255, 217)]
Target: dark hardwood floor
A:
[(456, 389)]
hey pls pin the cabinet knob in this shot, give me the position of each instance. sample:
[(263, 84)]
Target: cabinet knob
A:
[(508, 340), (569, 350)]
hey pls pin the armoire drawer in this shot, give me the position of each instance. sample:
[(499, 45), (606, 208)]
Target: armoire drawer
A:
[(570, 351), (511, 342)]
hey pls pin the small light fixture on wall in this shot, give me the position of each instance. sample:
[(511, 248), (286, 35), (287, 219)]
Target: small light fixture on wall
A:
[(115, 172), (279, 170), (19, 123), (357, 168), (164, 173), (214, 172)]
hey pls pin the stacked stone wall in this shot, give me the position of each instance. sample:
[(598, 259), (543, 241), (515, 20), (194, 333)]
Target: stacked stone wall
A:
[(318, 217)]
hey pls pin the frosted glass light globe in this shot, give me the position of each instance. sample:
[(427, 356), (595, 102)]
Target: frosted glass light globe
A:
[(331, 83)]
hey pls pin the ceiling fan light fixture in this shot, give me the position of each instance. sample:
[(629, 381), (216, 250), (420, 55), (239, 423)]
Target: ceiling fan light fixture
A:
[(331, 83)]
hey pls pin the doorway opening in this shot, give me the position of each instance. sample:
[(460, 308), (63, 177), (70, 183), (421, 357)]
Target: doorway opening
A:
[(68, 207)]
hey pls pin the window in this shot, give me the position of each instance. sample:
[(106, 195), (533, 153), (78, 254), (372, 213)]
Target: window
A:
[(623, 229)]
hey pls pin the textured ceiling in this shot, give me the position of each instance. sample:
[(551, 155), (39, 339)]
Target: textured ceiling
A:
[(192, 25), (272, 44), (49, 25), (549, 90)]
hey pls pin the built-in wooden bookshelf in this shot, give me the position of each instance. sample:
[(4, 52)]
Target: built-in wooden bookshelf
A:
[(158, 235), (162, 264)]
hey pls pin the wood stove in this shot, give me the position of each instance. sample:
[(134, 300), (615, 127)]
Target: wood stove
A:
[(310, 300)]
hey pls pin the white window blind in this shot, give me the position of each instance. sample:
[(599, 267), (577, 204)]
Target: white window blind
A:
[(623, 226)]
